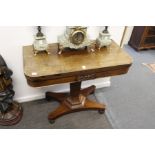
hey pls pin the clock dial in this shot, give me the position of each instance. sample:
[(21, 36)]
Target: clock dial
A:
[(77, 37)]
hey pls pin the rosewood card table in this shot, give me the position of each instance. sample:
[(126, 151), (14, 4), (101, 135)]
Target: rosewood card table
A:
[(73, 66)]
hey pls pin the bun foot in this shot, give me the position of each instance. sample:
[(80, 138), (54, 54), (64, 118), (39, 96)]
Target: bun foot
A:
[(52, 121), (101, 111)]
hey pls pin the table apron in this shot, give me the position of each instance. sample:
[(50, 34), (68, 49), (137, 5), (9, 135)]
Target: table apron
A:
[(79, 77)]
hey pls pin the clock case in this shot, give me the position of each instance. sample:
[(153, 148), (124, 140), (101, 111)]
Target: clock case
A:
[(75, 37)]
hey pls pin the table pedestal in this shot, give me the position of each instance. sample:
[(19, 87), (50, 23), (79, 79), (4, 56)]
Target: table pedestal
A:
[(74, 101)]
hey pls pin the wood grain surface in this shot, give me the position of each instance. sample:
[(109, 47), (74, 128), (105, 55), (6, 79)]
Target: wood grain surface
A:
[(73, 65)]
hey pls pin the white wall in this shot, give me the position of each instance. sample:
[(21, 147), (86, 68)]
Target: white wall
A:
[(13, 38), (127, 35), (117, 33)]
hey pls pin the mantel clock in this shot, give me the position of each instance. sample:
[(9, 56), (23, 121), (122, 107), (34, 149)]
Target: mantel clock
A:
[(75, 37)]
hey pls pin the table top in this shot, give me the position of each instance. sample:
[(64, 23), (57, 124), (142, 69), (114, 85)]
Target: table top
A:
[(69, 61)]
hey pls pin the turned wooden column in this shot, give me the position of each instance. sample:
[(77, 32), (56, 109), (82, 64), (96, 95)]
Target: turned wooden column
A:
[(76, 99)]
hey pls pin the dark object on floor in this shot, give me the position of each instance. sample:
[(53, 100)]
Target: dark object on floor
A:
[(10, 111), (143, 37)]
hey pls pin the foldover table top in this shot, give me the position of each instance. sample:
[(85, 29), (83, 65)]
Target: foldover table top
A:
[(78, 62)]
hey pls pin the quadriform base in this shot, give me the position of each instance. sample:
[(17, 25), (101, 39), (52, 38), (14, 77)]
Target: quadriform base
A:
[(74, 101)]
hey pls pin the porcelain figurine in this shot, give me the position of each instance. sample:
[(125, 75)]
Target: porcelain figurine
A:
[(104, 38), (40, 43)]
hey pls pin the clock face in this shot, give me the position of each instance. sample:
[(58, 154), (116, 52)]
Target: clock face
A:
[(77, 37)]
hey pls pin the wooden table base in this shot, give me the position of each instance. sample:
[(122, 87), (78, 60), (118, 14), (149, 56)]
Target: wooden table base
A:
[(74, 101)]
